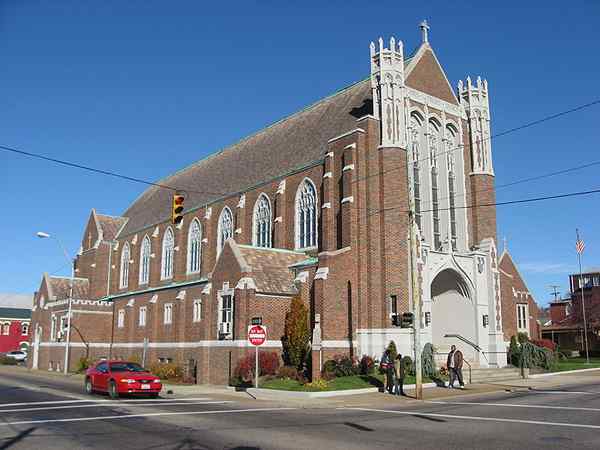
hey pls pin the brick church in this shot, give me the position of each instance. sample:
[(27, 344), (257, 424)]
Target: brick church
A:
[(315, 205)]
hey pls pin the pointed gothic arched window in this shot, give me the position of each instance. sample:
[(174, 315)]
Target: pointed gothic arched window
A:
[(306, 215), (194, 246), (435, 203), (168, 249), (225, 228), (262, 222), (125, 257), (145, 251), (451, 146), (416, 124)]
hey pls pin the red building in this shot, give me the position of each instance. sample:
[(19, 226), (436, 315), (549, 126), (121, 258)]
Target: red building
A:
[(14, 329)]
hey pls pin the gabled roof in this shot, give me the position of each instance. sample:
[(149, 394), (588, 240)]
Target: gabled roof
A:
[(59, 288), (269, 267), (15, 313), (110, 225)]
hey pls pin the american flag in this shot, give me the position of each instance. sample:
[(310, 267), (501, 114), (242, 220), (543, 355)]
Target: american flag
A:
[(579, 244)]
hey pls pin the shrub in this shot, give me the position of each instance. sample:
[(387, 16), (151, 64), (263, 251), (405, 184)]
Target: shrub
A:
[(342, 366), (327, 376), (329, 366), (534, 356), (288, 372), (514, 352), (367, 365), (296, 334), (268, 364), (83, 364), (5, 360), (167, 371), (409, 368), (522, 337), (545, 343)]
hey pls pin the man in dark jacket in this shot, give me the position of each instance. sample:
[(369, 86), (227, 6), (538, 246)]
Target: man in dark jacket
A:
[(454, 364)]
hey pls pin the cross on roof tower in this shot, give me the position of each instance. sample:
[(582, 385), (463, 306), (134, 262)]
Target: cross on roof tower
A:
[(424, 31)]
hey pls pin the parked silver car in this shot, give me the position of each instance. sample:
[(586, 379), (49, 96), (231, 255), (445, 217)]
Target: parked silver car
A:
[(18, 355)]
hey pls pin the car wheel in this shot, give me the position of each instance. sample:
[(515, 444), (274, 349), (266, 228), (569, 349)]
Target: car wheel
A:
[(112, 390), (89, 387)]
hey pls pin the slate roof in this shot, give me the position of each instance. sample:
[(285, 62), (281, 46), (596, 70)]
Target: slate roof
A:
[(110, 225), (270, 268), (16, 300), (60, 287), (15, 313), (284, 147)]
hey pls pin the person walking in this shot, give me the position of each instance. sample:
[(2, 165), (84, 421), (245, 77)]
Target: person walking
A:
[(387, 366), (454, 364), (398, 375)]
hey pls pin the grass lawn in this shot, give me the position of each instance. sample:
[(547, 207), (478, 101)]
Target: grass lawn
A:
[(337, 384), (576, 363)]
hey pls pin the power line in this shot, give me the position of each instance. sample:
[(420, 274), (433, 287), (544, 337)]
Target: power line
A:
[(101, 171), (493, 136), (508, 202)]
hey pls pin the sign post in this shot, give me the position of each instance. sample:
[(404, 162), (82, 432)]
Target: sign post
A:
[(257, 336)]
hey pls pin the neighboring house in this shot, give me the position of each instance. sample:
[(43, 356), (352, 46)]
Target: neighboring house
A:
[(15, 319), (566, 316), (314, 205), (520, 312)]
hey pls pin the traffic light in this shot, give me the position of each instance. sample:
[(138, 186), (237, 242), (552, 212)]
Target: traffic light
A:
[(396, 320), (177, 209), (407, 320)]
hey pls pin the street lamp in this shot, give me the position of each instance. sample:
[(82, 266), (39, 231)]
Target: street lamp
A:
[(43, 235)]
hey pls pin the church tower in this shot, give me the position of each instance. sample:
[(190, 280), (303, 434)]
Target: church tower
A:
[(475, 101), (387, 83)]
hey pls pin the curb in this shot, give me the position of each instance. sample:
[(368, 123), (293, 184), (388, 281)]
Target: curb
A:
[(273, 394), (552, 374)]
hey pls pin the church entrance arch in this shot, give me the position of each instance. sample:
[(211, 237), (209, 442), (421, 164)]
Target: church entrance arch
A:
[(452, 312)]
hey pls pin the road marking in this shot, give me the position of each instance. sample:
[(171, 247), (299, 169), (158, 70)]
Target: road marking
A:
[(133, 416), (98, 405), (512, 405), (535, 391), (103, 400), (485, 419)]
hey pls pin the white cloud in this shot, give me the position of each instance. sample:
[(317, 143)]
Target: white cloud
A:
[(546, 268)]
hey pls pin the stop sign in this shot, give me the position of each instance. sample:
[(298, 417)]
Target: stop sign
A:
[(257, 335)]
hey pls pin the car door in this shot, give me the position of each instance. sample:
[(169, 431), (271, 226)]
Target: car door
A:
[(100, 377)]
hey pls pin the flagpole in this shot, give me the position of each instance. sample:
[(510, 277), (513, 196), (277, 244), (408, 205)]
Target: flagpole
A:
[(581, 285)]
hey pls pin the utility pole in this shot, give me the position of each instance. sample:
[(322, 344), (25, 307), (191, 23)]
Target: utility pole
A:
[(555, 291), (581, 285), (416, 300)]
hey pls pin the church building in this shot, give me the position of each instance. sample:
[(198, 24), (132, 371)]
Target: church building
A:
[(317, 206)]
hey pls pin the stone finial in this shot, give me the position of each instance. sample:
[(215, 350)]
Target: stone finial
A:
[(424, 31)]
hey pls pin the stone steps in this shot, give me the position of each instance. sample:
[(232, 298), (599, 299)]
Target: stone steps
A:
[(491, 375)]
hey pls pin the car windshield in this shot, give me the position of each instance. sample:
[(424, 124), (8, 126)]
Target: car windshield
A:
[(126, 367)]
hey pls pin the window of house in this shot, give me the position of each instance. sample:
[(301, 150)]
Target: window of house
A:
[(522, 316), (168, 248), (24, 329), (145, 252), (125, 257), (225, 228), (53, 328), (63, 324), (194, 247), (393, 305), (262, 222), (5, 328), (197, 311), (168, 314), (596, 280), (142, 316), (121, 318), (225, 315), (306, 215)]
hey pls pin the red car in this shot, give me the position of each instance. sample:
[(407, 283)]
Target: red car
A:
[(121, 377)]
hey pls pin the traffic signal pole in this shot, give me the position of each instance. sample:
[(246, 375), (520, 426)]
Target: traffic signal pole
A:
[(416, 301)]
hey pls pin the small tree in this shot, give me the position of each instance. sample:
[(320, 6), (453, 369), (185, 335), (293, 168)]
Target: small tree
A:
[(296, 334)]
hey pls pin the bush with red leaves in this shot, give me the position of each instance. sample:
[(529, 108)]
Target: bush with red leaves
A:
[(545, 343), (268, 365)]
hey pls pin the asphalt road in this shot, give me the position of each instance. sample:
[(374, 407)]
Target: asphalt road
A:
[(52, 415)]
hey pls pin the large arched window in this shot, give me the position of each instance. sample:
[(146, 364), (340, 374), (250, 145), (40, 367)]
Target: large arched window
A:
[(451, 146), (194, 247), (416, 124), (306, 215), (145, 252), (225, 229), (168, 248), (434, 131), (125, 257), (262, 222)]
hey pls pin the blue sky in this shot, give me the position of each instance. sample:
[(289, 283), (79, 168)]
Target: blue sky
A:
[(148, 87)]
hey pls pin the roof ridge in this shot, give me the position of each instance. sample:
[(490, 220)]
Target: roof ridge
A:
[(245, 138)]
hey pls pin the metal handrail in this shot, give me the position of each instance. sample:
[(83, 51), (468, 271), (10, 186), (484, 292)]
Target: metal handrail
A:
[(466, 341)]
